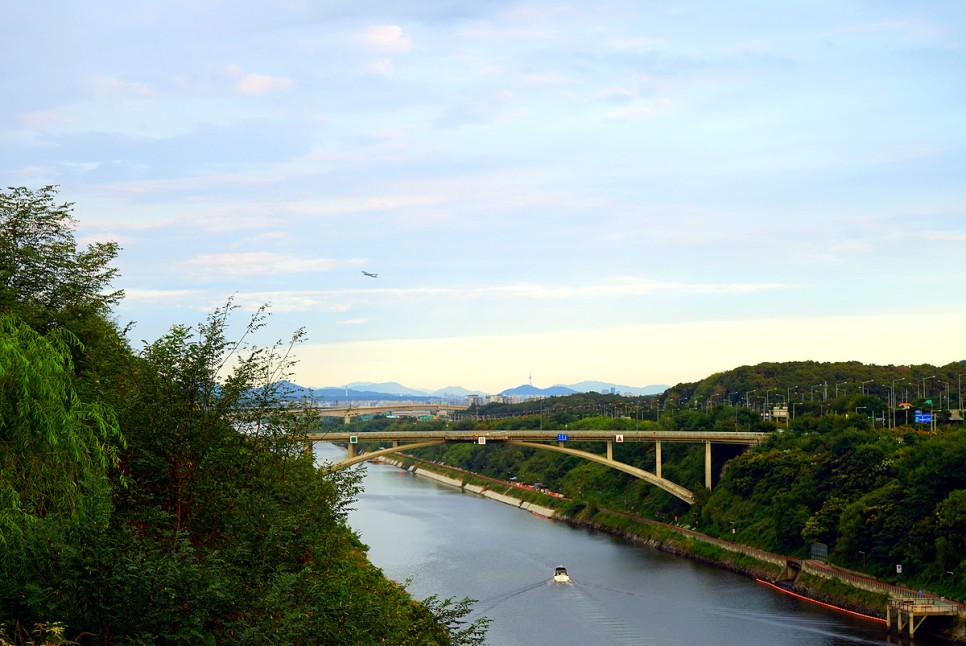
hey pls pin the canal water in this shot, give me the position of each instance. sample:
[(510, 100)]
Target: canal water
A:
[(455, 544)]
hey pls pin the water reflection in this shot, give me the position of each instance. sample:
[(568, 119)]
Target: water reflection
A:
[(456, 544)]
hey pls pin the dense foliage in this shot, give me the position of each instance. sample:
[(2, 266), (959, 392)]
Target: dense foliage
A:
[(876, 496), (165, 495)]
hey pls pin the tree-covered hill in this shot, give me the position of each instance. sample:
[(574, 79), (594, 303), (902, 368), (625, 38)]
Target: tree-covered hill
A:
[(811, 381), (163, 494), (848, 471)]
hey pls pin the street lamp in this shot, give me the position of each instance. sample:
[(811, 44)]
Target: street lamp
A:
[(892, 406), (864, 383), (959, 391), (837, 388), (863, 558), (924, 385)]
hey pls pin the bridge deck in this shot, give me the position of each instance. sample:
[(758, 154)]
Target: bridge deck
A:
[(544, 436)]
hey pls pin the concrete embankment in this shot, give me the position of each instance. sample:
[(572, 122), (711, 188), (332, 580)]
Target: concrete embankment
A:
[(477, 489)]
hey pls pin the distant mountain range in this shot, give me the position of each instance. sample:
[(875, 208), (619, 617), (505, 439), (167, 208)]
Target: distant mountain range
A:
[(389, 391)]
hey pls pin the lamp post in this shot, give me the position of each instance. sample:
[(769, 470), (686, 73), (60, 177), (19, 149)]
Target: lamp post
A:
[(837, 388), (892, 406), (868, 381), (959, 391), (924, 385), (746, 396), (863, 558), (766, 401), (857, 409)]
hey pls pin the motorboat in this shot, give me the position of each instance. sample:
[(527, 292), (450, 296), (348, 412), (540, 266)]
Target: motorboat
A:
[(560, 575)]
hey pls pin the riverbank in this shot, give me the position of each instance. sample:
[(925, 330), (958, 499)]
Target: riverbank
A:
[(816, 581)]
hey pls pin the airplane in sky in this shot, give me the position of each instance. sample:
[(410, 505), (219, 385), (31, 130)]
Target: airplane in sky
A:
[(370, 275)]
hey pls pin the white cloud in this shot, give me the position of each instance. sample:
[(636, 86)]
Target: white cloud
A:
[(910, 30), (40, 121), (387, 38), (262, 263), (106, 85), (660, 107), (253, 84), (138, 295), (381, 67)]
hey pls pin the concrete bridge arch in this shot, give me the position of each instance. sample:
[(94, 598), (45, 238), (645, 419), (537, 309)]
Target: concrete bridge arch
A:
[(673, 488)]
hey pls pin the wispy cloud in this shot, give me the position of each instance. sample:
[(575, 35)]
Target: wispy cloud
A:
[(264, 263), (110, 86), (306, 300), (660, 107), (910, 30), (387, 38), (252, 84), (140, 295)]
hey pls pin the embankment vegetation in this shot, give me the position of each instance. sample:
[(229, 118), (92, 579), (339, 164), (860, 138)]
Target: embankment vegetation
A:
[(847, 472), (162, 494)]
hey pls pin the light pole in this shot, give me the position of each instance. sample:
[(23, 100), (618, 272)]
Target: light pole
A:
[(746, 396), (892, 405), (766, 401), (864, 383), (863, 558), (924, 385), (857, 409), (837, 388), (959, 391)]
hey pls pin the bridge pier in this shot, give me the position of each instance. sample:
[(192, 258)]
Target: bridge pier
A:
[(707, 464), (352, 451), (610, 450), (657, 459)]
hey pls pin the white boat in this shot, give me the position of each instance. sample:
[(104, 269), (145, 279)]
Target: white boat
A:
[(560, 575)]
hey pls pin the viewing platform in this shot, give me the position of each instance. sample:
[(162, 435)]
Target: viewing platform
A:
[(912, 611)]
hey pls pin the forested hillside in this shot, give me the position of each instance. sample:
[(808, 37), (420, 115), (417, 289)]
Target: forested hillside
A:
[(837, 474), (161, 494)]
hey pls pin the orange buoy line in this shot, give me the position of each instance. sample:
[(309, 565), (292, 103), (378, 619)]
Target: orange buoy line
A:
[(821, 603)]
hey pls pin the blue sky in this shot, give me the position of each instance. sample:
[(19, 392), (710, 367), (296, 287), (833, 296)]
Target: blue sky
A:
[(635, 192)]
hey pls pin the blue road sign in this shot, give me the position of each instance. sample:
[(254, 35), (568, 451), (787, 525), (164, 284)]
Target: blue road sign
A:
[(924, 418), (561, 437)]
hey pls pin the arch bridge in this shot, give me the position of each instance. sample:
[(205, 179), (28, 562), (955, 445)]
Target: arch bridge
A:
[(550, 440)]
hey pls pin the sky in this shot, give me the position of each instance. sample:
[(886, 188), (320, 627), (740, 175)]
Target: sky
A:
[(637, 192)]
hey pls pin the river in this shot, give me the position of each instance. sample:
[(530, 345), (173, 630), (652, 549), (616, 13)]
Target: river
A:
[(455, 544)]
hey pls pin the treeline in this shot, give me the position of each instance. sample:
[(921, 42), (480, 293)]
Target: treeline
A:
[(880, 499), (813, 383), (162, 494)]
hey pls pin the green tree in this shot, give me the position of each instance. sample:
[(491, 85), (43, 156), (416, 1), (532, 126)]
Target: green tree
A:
[(54, 448), (40, 264)]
